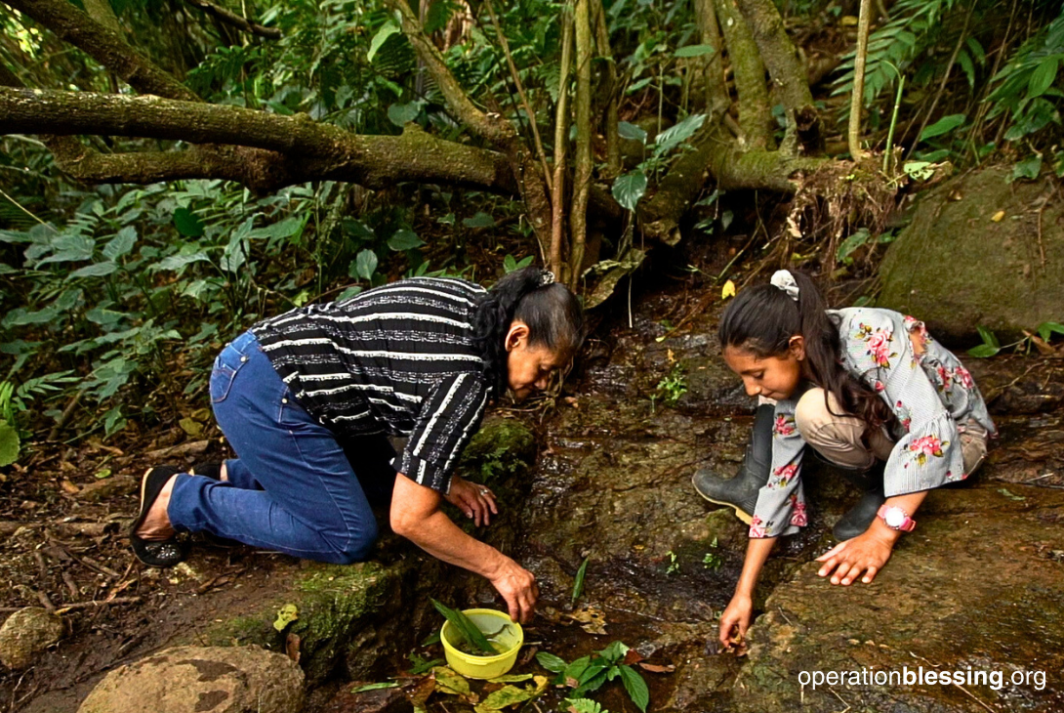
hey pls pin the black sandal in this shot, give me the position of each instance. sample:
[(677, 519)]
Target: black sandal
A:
[(156, 553), (207, 470)]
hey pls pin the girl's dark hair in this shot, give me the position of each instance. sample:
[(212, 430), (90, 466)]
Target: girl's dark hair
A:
[(762, 320), (554, 317)]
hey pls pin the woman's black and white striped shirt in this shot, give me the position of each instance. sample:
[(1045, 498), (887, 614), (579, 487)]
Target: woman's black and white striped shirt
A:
[(397, 359)]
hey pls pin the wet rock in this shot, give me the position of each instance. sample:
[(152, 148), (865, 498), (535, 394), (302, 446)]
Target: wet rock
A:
[(975, 587), (992, 258), (26, 633), (501, 448), (109, 487), (381, 700), (191, 679)]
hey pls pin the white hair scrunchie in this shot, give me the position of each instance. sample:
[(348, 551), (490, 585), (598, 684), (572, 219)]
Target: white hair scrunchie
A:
[(546, 278), (784, 280)]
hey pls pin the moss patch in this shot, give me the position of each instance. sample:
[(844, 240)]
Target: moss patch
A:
[(501, 448)]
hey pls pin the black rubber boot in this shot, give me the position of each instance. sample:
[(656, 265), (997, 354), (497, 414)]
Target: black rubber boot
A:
[(861, 515), (740, 492)]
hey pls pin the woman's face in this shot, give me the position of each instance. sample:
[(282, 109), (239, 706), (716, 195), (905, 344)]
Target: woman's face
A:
[(774, 377), (528, 367)]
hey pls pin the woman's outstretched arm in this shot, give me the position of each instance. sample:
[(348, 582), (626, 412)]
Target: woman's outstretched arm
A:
[(737, 615)]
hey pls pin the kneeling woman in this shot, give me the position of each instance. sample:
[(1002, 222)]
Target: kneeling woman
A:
[(870, 392), (305, 400)]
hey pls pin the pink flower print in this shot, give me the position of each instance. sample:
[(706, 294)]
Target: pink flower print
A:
[(756, 529), (926, 446), (786, 472), (964, 377), (798, 518), (913, 325), (879, 348), (880, 386), (945, 375), (784, 426)]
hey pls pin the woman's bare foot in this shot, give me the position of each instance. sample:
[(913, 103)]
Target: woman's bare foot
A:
[(156, 525)]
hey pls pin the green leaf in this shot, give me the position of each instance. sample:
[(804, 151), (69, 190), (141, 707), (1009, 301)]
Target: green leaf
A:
[(287, 614), (943, 126), (584, 705), (631, 132), (671, 138), (629, 188), (480, 220), (636, 687), (176, 262), (466, 628), (387, 30), (977, 50), (402, 114), (280, 108), (554, 664), (375, 686), (280, 230), (9, 443), (694, 51), (187, 223), (983, 351), (988, 337), (848, 246), (578, 583), (366, 263), (102, 474), (97, 269), (965, 61), (120, 244), (1047, 329), (1043, 76), (404, 240), (615, 652), (504, 698), (1028, 168)]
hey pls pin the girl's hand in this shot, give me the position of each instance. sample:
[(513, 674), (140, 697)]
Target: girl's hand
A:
[(476, 501), (865, 553), (736, 618)]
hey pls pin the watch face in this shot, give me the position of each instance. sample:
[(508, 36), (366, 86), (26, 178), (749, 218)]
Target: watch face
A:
[(895, 517)]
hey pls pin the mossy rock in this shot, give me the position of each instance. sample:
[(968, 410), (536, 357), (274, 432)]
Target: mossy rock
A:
[(979, 252), (502, 448)]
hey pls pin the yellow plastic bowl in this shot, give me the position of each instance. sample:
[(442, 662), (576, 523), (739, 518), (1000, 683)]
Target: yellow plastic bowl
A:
[(484, 667)]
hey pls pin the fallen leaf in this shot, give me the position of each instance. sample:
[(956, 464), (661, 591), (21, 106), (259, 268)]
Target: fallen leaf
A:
[(192, 427), (291, 646), (512, 678), (728, 291), (287, 614), (998, 217), (632, 656), (69, 487), (511, 695), (848, 21), (375, 686), (590, 619), (420, 695), (452, 684), (654, 668), (102, 473)]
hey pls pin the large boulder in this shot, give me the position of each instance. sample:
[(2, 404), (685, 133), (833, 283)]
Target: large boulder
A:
[(26, 633), (193, 679), (980, 252)]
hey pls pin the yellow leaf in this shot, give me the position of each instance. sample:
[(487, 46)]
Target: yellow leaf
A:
[(848, 21), (728, 291), (997, 217)]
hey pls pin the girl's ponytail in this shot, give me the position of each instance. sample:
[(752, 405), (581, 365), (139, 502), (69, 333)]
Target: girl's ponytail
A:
[(762, 320), (554, 317)]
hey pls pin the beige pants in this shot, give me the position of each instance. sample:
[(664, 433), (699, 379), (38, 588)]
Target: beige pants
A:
[(838, 438)]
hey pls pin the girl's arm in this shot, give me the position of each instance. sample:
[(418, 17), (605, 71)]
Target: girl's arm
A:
[(740, 609), (416, 515)]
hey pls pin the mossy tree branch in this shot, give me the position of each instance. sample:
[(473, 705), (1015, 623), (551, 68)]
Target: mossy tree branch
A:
[(754, 110)]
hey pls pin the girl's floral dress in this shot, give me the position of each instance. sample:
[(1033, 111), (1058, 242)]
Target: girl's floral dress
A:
[(932, 395)]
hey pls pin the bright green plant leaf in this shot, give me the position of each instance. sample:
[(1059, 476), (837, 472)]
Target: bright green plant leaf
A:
[(943, 126), (674, 136), (1043, 76), (480, 220), (615, 652), (629, 188), (554, 664), (9, 444), (636, 687), (584, 705), (375, 686), (187, 223), (1047, 329), (989, 338), (366, 262), (983, 351), (287, 614), (102, 474), (631, 132), (694, 51), (97, 269), (465, 628), (176, 262), (387, 30), (120, 244), (578, 583), (404, 240), (1028, 168)]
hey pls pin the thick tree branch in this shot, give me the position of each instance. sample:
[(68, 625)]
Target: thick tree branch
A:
[(231, 18), (276, 150), (754, 110), (582, 154), (105, 46), (561, 142), (787, 72)]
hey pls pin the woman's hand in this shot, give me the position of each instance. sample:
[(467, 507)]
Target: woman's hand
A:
[(865, 553), (518, 587), (736, 618), (476, 501)]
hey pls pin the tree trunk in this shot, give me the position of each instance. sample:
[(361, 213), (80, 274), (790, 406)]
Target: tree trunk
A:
[(582, 157), (561, 141), (754, 110)]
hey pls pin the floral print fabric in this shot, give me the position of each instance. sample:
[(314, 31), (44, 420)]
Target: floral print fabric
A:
[(930, 392)]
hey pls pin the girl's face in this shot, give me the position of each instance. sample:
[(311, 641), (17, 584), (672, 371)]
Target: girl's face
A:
[(528, 367), (774, 377)]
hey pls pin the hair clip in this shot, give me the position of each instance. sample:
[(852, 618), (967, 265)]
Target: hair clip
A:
[(546, 278), (784, 280)]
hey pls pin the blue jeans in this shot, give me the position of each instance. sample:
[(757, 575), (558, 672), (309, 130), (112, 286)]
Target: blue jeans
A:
[(292, 487)]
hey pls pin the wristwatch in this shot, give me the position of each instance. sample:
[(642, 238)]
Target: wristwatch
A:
[(896, 518)]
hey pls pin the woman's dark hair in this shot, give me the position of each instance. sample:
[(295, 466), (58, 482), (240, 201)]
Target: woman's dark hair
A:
[(762, 320), (554, 317)]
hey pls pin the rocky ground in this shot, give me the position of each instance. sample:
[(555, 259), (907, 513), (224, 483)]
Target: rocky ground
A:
[(979, 584)]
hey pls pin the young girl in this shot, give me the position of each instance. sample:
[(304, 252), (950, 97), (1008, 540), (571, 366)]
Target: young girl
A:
[(305, 399), (872, 393)]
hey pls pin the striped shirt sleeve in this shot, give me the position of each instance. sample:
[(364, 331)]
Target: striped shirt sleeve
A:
[(449, 417)]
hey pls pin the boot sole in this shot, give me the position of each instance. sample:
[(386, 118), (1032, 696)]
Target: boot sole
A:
[(739, 513)]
